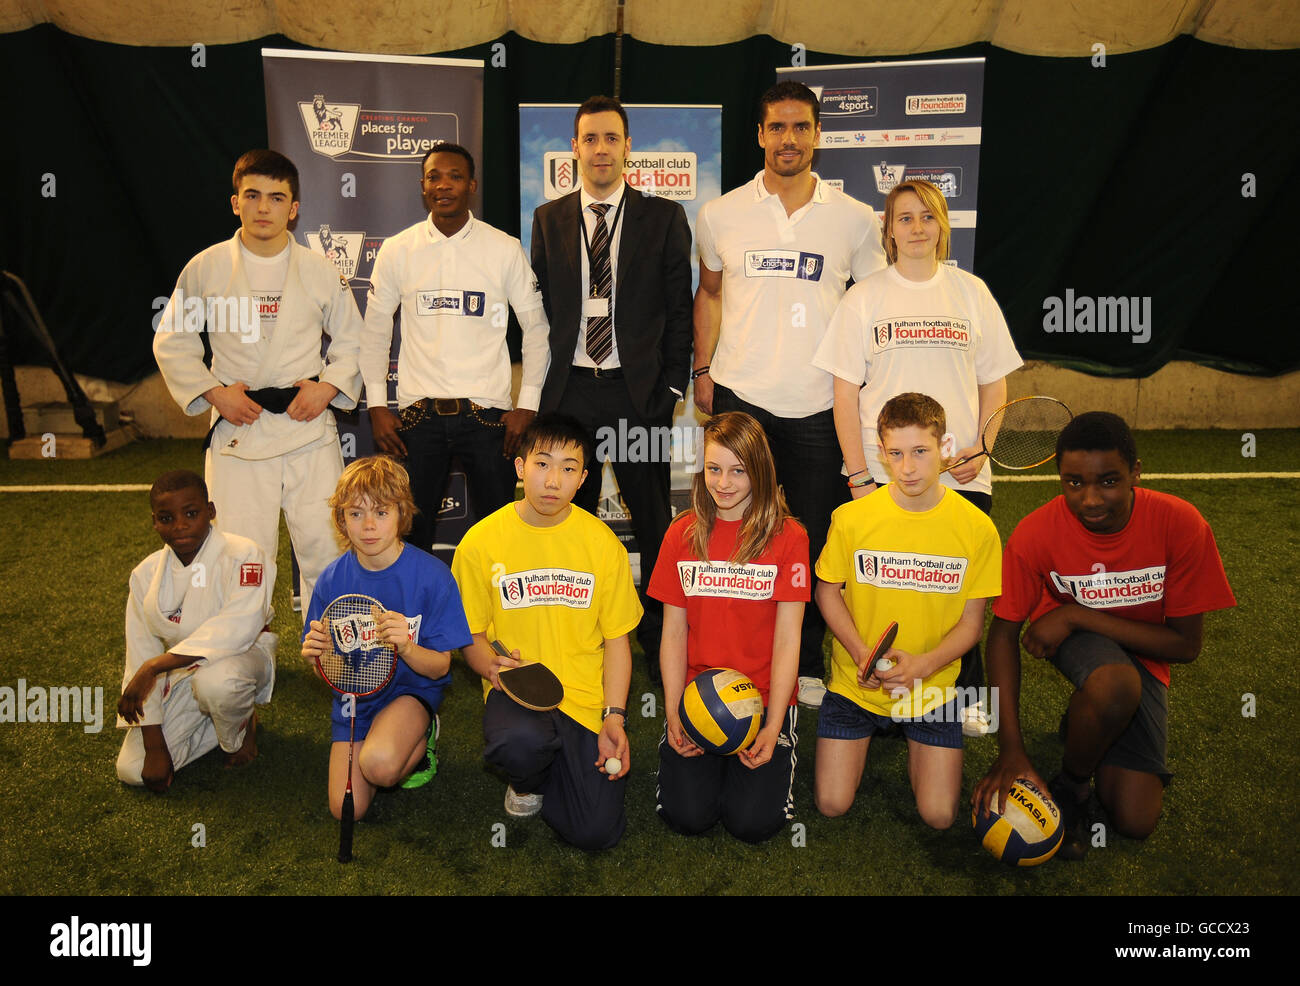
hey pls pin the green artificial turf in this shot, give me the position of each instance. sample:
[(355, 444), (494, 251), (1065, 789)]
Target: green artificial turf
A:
[(70, 827)]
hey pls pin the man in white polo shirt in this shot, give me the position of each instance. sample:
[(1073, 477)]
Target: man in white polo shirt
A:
[(776, 256), (453, 276)]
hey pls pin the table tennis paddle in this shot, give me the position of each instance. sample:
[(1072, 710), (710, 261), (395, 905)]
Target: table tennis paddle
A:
[(885, 642), (534, 686)]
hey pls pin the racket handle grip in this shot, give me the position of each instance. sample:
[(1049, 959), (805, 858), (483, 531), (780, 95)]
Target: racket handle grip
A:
[(346, 818)]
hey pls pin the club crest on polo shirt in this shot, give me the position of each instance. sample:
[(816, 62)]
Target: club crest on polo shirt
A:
[(909, 570), (784, 263), (450, 302), (935, 332), (547, 587), (1108, 590), (719, 579)]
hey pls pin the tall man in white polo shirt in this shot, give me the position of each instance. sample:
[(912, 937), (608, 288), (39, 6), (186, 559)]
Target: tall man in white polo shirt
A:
[(776, 256), (453, 276)]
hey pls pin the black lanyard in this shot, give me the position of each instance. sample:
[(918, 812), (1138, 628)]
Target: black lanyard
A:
[(586, 242)]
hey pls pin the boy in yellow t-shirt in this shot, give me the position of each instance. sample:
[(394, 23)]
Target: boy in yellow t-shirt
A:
[(553, 583), (916, 553)]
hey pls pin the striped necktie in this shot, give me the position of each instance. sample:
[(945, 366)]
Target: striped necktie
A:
[(600, 329)]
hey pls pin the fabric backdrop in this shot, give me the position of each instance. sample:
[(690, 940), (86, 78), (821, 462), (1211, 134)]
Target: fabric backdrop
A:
[(1122, 180)]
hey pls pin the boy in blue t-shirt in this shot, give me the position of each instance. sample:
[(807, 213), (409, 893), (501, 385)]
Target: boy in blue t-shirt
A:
[(396, 729)]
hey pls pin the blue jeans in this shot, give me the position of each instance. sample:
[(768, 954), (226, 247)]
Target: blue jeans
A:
[(808, 460)]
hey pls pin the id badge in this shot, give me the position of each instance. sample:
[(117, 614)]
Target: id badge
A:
[(595, 308)]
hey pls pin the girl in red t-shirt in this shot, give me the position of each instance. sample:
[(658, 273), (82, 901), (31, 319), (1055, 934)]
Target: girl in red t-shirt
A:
[(733, 575)]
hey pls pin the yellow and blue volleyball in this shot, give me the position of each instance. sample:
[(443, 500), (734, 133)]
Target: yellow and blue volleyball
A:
[(1028, 833), (721, 710)]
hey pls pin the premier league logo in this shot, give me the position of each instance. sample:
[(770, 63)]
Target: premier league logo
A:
[(888, 175), (330, 126), (337, 246)]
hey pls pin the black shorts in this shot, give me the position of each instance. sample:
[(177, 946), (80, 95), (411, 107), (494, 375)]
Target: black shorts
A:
[(1142, 745)]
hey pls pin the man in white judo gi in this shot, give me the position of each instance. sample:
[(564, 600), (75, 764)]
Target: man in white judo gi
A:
[(266, 303), (198, 652)]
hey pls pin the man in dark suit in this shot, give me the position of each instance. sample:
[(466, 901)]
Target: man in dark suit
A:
[(614, 267)]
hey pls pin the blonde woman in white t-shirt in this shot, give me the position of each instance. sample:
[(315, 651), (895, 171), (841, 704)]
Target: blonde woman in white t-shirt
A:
[(919, 325)]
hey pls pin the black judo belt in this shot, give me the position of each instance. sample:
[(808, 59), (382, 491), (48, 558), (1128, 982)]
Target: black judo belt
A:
[(273, 399)]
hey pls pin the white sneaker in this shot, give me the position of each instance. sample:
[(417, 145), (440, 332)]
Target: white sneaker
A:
[(974, 720), (522, 805), (811, 692)]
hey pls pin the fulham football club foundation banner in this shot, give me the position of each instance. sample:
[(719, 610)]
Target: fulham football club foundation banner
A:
[(886, 122), (677, 154), (357, 127)]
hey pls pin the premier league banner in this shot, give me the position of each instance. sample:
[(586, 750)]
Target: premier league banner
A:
[(677, 154), (357, 127), (886, 122)]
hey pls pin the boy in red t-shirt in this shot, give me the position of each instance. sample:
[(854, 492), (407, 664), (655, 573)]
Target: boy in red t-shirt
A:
[(1114, 581)]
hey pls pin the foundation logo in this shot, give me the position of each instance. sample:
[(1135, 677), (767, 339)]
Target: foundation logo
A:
[(910, 333), (350, 132), (887, 176), (857, 101), (341, 248), (1108, 590), (666, 174), (722, 580), (954, 102), (906, 570), (547, 587), (784, 263)]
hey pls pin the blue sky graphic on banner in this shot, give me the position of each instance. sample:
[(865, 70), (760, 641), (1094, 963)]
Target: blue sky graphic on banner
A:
[(676, 153), (886, 122)]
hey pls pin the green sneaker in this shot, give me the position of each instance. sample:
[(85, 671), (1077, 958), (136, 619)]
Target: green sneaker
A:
[(427, 767)]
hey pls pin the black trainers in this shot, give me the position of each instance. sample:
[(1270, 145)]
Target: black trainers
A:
[(1074, 819)]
